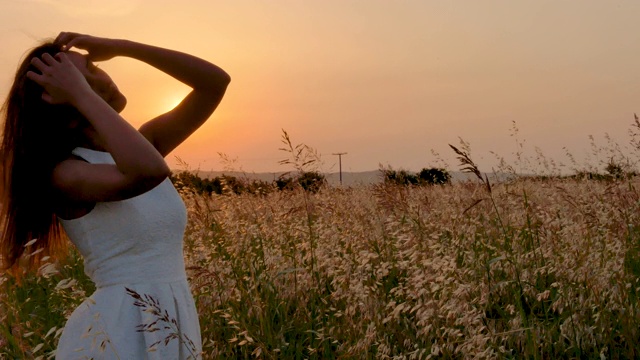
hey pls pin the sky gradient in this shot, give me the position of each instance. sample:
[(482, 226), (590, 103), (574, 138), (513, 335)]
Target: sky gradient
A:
[(384, 81)]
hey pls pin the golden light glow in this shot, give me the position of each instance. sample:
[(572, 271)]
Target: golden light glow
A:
[(170, 103)]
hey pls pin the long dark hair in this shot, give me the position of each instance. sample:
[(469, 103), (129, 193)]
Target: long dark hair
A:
[(36, 137)]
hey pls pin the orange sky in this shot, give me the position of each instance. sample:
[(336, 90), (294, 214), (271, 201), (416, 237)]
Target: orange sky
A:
[(385, 81)]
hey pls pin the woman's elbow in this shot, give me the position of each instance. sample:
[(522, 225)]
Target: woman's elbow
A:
[(219, 82), (162, 172), (227, 78), (222, 82), (150, 179), (213, 89), (155, 173)]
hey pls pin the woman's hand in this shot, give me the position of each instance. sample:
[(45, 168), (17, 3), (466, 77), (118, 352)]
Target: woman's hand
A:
[(62, 81), (99, 49)]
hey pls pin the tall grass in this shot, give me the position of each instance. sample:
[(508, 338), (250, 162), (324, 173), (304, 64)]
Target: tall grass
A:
[(527, 268), (541, 269)]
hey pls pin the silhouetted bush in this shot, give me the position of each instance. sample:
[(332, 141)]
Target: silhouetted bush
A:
[(431, 176), (434, 176), (613, 171), (185, 180), (311, 181), (401, 177), (224, 184), (285, 183), (259, 187)]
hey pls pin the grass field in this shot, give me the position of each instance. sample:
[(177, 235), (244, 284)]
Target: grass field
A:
[(527, 268), (530, 267)]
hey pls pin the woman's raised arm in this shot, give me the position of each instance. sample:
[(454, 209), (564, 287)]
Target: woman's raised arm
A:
[(207, 80)]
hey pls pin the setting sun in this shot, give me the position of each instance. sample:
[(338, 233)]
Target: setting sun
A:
[(170, 103)]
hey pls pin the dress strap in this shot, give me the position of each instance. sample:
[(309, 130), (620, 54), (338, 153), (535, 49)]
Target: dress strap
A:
[(93, 156)]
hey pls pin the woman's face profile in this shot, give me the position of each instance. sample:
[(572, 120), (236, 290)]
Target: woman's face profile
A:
[(99, 81)]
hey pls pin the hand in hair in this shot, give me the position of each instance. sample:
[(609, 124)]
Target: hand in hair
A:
[(98, 49), (63, 83)]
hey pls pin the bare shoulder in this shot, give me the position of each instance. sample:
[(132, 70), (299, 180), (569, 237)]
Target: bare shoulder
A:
[(66, 174), (65, 177), (65, 170)]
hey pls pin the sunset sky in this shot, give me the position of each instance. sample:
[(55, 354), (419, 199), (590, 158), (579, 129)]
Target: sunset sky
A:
[(384, 81)]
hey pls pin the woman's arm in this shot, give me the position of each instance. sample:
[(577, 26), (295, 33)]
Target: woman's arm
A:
[(208, 82)]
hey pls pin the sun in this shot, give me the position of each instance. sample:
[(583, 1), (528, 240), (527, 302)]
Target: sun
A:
[(171, 101), (175, 101)]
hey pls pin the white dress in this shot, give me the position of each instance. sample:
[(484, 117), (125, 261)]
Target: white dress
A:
[(133, 244)]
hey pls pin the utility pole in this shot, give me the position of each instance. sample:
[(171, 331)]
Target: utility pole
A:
[(340, 162)]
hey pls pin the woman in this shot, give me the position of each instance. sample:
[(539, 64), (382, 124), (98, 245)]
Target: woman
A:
[(69, 158)]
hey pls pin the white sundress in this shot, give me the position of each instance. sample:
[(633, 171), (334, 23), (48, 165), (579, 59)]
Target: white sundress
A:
[(132, 244)]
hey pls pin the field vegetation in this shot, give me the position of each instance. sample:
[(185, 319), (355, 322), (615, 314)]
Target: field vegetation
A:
[(537, 267)]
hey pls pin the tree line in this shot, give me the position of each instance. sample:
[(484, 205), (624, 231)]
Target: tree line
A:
[(311, 181)]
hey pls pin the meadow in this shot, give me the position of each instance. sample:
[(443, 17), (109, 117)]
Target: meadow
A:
[(527, 267)]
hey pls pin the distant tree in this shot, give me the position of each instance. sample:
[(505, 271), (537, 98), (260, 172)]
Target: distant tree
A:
[(231, 184), (619, 171), (215, 185), (185, 180), (311, 181), (284, 183), (435, 176), (259, 187), (425, 177), (408, 178), (389, 176), (401, 177)]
